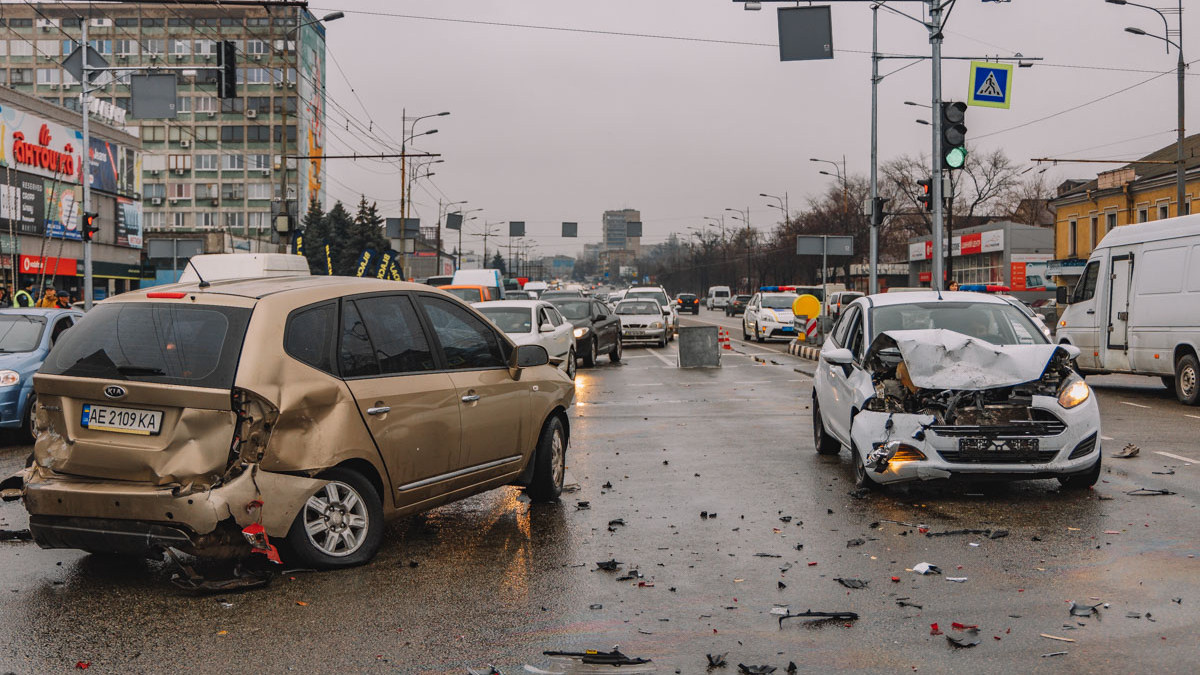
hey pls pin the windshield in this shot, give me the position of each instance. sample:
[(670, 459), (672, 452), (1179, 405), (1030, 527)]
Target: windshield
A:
[(720, 294), (20, 332), (163, 343), (654, 295), (779, 301), (574, 310), (467, 294), (509, 319), (999, 324), (638, 307)]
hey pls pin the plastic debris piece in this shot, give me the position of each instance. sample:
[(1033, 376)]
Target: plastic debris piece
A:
[(1046, 656), (1130, 450), (948, 533), (743, 669), (785, 519), (1084, 610), (704, 515), (855, 542), (716, 660), (852, 583), (962, 641), (903, 602), (596, 606), (860, 493), (632, 575), (767, 555), (595, 657), (1055, 637), (609, 565), (957, 580), (962, 626), (792, 669), (926, 568), (998, 534), (782, 585), (812, 564), (934, 630), (16, 535), (83, 665), (1133, 615), (1149, 492), (1168, 472), (896, 579), (809, 614), (491, 670)]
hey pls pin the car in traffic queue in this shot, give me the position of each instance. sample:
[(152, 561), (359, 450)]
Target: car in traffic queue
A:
[(768, 315), (535, 322), (26, 336), (687, 302), (659, 295), (597, 329), (226, 417), (736, 305), (470, 294), (642, 320), (718, 297), (925, 386), (550, 295)]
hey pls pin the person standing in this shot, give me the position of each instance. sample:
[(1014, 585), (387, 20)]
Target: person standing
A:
[(64, 300), (24, 297), (5, 296), (49, 298)]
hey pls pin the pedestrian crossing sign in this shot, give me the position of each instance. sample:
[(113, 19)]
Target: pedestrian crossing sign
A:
[(990, 85)]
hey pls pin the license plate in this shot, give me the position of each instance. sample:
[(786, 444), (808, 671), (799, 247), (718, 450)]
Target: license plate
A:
[(635, 332), (1016, 447), (121, 420), (787, 329)]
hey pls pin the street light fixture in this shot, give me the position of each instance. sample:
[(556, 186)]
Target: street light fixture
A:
[(919, 105), (783, 205)]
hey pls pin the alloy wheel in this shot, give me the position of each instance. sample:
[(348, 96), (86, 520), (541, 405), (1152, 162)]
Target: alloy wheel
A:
[(558, 460), (336, 520), (1187, 381)]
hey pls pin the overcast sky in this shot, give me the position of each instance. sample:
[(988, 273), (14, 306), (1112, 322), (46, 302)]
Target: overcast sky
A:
[(550, 126)]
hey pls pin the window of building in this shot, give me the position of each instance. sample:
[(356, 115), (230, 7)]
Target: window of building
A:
[(233, 191), (206, 162), (3, 76), (179, 47), (1072, 238), (232, 105), (1142, 215), (285, 21), (102, 46), (125, 47), (152, 190), (291, 133), (259, 220), (20, 23), (153, 47), (180, 190), (260, 104), (233, 134), (123, 22), (208, 134), (257, 47), (21, 75), (206, 191), (206, 47), (208, 219), (233, 162), (235, 220), (51, 99), (258, 133), (1164, 211), (177, 133), (231, 22), (205, 104), (258, 21), (153, 133), (208, 21), (3, 47), (20, 48), (1094, 233), (151, 162), (257, 162), (180, 162), (179, 22), (68, 46), (1187, 206), (291, 104), (48, 75), (122, 102), (152, 23), (257, 75), (70, 103), (154, 220), (291, 75), (49, 48), (179, 220), (259, 191), (1110, 223), (183, 104)]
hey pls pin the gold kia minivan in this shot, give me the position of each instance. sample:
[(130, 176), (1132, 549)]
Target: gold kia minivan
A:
[(217, 418)]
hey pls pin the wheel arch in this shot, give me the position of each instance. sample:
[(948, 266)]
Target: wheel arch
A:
[(1181, 350), (367, 470), (559, 413)]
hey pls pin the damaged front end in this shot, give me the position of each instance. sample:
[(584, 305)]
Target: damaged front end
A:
[(942, 403)]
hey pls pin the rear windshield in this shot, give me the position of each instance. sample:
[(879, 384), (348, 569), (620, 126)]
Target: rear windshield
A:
[(509, 319), (656, 295), (720, 294), (164, 343), (575, 310), (20, 332), (467, 294), (638, 308)]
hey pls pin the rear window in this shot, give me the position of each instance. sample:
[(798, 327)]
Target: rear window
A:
[(466, 294), (163, 343), (721, 294)]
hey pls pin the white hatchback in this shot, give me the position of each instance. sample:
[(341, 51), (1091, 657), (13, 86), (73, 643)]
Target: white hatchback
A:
[(534, 322), (926, 386)]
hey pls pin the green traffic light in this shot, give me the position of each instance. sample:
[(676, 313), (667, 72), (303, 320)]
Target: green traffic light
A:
[(956, 157)]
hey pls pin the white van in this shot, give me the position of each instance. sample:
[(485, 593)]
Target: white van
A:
[(1136, 307), (489, 278), (537, 287), (222, 266), (718, 297)]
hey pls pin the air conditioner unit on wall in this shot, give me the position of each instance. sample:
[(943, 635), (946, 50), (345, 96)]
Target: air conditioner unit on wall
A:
[(251, 113), (156, 201), (185, 143), (266, 172)]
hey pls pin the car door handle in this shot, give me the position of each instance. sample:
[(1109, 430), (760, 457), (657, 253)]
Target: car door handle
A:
[(379, 410), (470, 398), (1091, 311)]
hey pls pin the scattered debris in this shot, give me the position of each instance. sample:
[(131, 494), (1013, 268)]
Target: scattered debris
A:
[(596, 657), (704, 515), (1133, 615), (491, 670), (948, 533), (716, 660), (855, 542), (903, 602), (1168, 472), (631, 576), (860, 493), (963, 641), (607, 485), (1045, 656), (1149, 492), (243, 578), (809, 614), (609, 565), (782, 585), (852, 583), (767, 555), (785, 519), (612, 524), (934, 630), (15, 535), (998, 534), (582, 506), (926, 568), (743, 669), (1130, 450), (1084, 610), (1055, 637), (596, 606), (792, 669), (957, 580)]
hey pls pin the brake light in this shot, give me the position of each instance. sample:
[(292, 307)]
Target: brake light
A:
[(169, 295)]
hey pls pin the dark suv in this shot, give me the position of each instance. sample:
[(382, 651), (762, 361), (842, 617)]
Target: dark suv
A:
[(736, 305), (687, 302)]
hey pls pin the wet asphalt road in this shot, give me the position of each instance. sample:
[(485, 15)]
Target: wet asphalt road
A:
[(495, 580)]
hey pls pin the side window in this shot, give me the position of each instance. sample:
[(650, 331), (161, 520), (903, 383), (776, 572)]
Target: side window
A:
[(466, 340), (60, 327), (356, 355), (843, 327), (598, 309), (309, 335), (396, 334), (855, 343), (1086, 288), (555, 317)]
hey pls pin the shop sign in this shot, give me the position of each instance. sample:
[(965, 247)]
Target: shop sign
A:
[(991, 241), (63, 267)]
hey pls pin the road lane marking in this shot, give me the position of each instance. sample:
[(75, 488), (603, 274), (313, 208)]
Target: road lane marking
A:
[(1106, 438), (1195, 417), (1136, 405), (661, 358), (1182, 459)]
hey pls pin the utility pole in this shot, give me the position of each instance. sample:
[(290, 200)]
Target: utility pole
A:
[(935, 40), (876, 209), (86, 174)]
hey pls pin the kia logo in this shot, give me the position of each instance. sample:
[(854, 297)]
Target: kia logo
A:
[(114, 391)]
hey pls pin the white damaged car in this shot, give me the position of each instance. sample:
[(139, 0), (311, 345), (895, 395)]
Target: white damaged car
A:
[(924, 386)]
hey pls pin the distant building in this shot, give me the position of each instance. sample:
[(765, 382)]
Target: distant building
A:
[(615, 231), (1002, 253)]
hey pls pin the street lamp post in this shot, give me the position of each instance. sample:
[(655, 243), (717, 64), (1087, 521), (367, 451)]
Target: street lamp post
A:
[(1180, 168), (744, 216), (405, 197), (442, 209), (783, 206), (462, 226)]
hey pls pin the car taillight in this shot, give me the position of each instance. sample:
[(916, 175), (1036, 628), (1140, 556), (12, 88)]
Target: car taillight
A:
[(169, 295)]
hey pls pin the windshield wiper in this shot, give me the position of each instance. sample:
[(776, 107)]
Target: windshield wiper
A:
[(139, 370)]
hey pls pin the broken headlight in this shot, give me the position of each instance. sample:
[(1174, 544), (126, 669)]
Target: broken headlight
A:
[(1073, 392)]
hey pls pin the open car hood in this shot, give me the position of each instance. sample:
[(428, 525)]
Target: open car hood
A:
[(944, 359)]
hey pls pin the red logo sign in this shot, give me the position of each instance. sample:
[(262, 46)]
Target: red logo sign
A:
[(32, 264), (971, 244), (41, 155)]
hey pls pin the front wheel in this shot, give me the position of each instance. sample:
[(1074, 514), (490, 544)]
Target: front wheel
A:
[(615, 354), (862, 477), (757, 333), (825, 444), (1187, 379), (571, 367), (550, 463), (589, 358), (1082, 481), (28, 428), (341, 524), (745, 335)]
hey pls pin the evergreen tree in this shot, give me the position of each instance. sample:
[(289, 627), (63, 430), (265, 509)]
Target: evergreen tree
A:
[(498, 263), (365, 231), (345, 252), (316, 233)]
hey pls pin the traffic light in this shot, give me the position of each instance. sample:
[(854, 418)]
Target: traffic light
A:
[(925, 195), (954, 135), (226, 69), (90, 225)]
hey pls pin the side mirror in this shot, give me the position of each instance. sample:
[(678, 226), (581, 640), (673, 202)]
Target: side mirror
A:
[(838, 357), (546, 328), (1060, 295), (529, 356)]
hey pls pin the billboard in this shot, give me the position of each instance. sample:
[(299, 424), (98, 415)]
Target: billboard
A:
[(310, 90), (22, 203), (63, 206), (47, 149), (129, 223)]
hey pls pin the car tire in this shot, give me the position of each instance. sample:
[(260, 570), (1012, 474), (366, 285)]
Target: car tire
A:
[(1169, 382), (824, 443), (1187, 379), (27, 433), (571, 366), (330, 502), (862, 477), (615, 355), (757, 334), (1082, 481), (589, 357), (745, 335), (550, 463)]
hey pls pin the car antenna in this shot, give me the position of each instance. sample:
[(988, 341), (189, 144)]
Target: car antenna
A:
[(203, 283)]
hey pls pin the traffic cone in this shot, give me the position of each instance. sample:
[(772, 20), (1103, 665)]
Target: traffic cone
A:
[(724, 339)]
